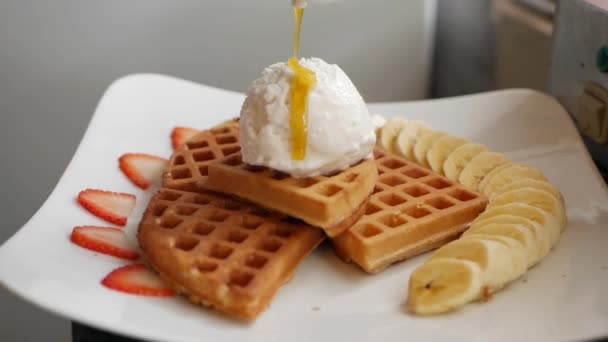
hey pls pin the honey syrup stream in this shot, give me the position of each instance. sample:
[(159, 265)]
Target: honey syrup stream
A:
[(302, 82)]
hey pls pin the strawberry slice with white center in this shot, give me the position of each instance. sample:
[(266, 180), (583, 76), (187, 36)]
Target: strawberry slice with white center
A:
[(110, 241), (142, 169), (180, 135), (137, 279), (114, 207)]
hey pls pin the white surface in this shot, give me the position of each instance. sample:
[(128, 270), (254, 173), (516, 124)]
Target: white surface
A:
[(563, 298), (334, 105)]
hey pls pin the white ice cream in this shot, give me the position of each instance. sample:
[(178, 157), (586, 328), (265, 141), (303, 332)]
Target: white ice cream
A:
[(340, 129)]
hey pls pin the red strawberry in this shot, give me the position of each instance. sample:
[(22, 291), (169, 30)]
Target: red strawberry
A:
[(110, 241), (137, 279), (113, 207), (142, 169), (180, 135)]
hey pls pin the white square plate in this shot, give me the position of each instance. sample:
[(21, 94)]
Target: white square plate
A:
[(563, 298)]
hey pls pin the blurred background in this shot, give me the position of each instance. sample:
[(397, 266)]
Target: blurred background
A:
[(57, 58)]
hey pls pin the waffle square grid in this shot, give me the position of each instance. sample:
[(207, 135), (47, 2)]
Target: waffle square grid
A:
[(412, 210), (223, 252)]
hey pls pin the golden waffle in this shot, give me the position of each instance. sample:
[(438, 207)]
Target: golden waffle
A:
[(411, 211), (189, 163), (323, 201), (222, 252)]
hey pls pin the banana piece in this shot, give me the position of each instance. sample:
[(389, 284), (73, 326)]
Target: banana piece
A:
[(388, 133), (493, 173), (540, 233), (535, 214), (515, 231), (440, 151), (518, 250), (537, 198), (378, 121), (444, 284), (425, 142), (459, 158), (532, 183), (493, 257), (506, 174), (407, 138), (479, 167), (516, 209)]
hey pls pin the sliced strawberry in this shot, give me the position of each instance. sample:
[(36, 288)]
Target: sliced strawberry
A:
[(142, 169), (180, 135), (110, 241), (137, 279), (113, 207)]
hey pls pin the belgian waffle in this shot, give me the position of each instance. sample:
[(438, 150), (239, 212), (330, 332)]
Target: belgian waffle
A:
[(189, 163), (221, 252), (412, 210), (323, 201)]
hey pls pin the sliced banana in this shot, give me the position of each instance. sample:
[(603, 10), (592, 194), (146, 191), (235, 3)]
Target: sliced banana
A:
[(425, 142), (444, 284), (378, 121), (531, 183), (517, 209), (493, 173), (440, 151), (494, 258), (407, 138), (479, 167), (388, 132), (541, 234), (459, 158), (537, 198), (518, 250), (535, 214), (505, 175), (515, 231)]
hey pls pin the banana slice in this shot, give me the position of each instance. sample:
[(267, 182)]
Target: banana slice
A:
[(440, 151), (515, 231), (425, 142), (388, 132), (493, 173), (507, 174), (516, 209), (444, 284), (378, 121), (517, 249), (541, 234), (537, 215), (532, 183), (479, 167), (407, 138), (493, 257), (537, 198), (459, 158)]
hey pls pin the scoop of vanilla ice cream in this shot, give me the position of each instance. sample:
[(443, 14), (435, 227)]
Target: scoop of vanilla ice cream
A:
[(340, 129)]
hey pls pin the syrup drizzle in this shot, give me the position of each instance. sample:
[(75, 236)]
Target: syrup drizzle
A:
[(302, 82)]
